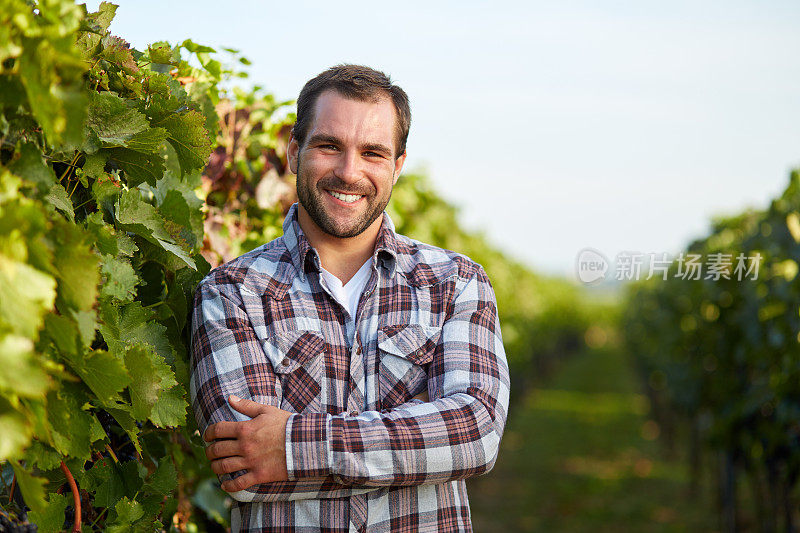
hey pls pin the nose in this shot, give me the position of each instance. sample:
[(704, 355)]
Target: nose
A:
[(347, 168)]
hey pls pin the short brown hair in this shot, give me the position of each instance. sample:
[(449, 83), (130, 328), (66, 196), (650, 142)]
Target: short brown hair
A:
[(358, 83)]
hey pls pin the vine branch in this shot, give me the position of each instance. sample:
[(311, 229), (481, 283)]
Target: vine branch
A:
[(76, 497)]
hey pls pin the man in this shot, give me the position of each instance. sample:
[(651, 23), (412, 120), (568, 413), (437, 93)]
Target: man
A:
[(348, 378)]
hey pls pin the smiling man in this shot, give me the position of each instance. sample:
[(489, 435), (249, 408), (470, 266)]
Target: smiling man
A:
[(348, 378)]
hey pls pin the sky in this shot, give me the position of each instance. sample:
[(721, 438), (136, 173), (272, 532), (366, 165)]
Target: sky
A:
[(554, 126)]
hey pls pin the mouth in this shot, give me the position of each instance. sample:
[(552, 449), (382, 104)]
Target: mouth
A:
[(345, 198)]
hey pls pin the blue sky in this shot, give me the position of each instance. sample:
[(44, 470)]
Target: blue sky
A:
[(623, 126)]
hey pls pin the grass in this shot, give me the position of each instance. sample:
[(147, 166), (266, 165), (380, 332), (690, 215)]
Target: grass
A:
[(581, 455)]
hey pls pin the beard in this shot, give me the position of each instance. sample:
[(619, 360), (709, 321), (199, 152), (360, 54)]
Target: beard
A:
[(313, 202)]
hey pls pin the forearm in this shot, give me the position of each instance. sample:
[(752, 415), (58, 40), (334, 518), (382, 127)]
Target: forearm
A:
[(228, 359), (432, 442)]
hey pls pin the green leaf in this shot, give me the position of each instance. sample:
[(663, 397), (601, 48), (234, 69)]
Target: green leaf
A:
[(31, 166), (189, 138), (105, 192), (94, 167), (137, 216), (165, 479), (101, 19), (32, 291), (113, 120), (148, 141), (138, 167), (51, 518), (160, 52), (180, 205), (73, 430), (77, 268), (57, 197), (127, 513), (32, 488), (87, 325), (105, 480), (119, 279), (22, 374), (59, 108), (63, 332), (104, 374), (132, 324), (181, 291), (42, 456), (15, 429), (170, 409), (150, 375)]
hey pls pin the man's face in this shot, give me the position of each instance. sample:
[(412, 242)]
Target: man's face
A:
[(347, 166)]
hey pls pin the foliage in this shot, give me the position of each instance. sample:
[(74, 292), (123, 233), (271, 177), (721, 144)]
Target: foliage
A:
[(247, 185), (723, 354), (100, 233)]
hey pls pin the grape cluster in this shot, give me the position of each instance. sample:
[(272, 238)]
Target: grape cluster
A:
[(11, 525)]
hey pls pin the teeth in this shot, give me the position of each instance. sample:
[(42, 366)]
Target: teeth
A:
[(349, 198)]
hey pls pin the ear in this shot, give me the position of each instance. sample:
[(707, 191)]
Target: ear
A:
[(292, 152), (398, 166)]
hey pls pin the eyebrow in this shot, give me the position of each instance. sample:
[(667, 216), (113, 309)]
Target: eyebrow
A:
[(321, 138)]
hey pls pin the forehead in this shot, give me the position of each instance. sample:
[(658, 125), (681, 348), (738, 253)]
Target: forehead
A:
[(368, 121)]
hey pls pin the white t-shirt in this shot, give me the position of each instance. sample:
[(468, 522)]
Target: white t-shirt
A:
[(349, 294)]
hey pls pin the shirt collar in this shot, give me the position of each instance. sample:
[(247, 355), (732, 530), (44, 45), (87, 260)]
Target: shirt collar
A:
[(305, 258)]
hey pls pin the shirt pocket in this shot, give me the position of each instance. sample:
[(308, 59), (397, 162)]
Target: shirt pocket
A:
[(405, 352), (298, 359)]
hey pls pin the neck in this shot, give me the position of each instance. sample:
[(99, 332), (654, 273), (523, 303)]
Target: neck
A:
[(342, 257)]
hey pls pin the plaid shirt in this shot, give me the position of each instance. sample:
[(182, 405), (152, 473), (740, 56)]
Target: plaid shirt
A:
[(362, 453)]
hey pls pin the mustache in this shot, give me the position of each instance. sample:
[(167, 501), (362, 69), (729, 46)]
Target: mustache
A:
[(337, 184)]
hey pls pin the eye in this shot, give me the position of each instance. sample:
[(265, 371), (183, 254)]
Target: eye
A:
[(328, 146), (372, 154)]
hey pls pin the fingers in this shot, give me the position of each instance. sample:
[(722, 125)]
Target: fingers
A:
[(228, 465), (240, 483), (246, 407), (221, 430), (223, 448)]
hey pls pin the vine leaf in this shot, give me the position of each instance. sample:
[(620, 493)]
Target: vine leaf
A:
[(113, 121), (51, 518), (76, 269), (188, 136), (32, 487), (104, 374), (15, 429), (119, 279), (73, 430), (170, 410), (57, 197), (150, 376), (21, 372), (137, 216)]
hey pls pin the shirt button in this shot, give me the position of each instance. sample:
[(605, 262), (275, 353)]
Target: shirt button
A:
[(286, 361)]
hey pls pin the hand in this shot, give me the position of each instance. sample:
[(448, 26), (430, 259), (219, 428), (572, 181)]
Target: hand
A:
[(257, 445)]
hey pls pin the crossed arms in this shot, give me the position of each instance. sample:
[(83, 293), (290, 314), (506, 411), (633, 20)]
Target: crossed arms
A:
[(312, 455)]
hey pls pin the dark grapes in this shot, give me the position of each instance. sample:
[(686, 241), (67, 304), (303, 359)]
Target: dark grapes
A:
[(12, 525)]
